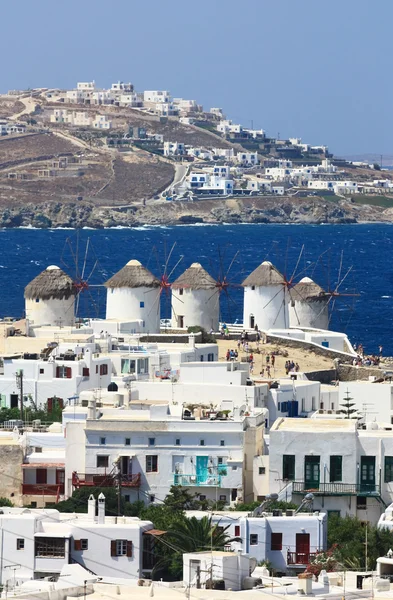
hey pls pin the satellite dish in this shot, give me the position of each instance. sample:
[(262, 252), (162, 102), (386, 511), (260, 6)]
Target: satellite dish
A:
[(253, 564)]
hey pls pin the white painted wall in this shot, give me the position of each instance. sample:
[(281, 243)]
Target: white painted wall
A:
[(268, 305), (135, 304), (263, 527), (373, 400), (309, 314), (198, 307), (50, 312)]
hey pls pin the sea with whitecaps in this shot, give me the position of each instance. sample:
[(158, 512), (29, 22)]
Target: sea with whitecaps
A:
[(354, 262)]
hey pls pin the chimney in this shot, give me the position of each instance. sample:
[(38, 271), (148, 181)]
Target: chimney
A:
[(191, 340), (91, 409), (91, 508), (101, 509)]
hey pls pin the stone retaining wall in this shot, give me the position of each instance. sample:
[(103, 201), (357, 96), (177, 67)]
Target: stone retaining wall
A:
[(294, 343)]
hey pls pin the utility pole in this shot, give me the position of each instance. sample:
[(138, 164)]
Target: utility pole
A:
[(19, 383)]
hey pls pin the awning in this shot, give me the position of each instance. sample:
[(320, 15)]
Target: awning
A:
[(155, 532), (43, 466)]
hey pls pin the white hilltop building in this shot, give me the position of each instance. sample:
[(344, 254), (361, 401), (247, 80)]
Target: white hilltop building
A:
[(265, 299), (195, 299), (308, 305), (50, 298), (133, 294)]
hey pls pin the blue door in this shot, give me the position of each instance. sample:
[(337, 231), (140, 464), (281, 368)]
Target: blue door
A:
[(201, 469)]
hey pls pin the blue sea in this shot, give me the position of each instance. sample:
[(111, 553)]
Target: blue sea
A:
[(353, 260)]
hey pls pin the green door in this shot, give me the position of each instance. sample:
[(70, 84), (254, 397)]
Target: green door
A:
[(367, 474), (311, 472)]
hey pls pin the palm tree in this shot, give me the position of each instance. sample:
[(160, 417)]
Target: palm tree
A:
[(196, 535), (191, 535)]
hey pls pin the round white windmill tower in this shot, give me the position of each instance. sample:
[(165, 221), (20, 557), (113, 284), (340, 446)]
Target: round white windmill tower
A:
[(195, 299), (265, 299), (308, 305), (133, 294), (50, 298)]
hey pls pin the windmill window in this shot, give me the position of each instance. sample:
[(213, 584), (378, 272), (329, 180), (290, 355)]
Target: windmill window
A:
[(181, 292), (253, 287), (141, 305), (37, 299)]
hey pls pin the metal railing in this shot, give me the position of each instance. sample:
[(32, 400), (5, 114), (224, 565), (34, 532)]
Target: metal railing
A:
[(333, 489), (196, 480), (300, 558), (43, 489), (106, 480)]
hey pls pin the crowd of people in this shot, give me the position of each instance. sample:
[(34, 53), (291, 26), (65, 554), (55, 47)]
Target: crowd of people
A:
[(362, 360)]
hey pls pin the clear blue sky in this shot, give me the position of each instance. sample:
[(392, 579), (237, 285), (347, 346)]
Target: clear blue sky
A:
[(320, 70)]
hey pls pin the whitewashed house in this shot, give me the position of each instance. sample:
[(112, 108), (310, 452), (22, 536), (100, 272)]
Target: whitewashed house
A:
[(39, 543), (223, 385), (226, 153), (101, 122), (152, 446), (166, 109), (130, 99), (174, 149), (156, 96), (348, 470), (58, 373), (287, 540), (247, 159)]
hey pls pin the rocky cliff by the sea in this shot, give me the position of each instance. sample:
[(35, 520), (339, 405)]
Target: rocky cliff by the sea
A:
[(235, 210)]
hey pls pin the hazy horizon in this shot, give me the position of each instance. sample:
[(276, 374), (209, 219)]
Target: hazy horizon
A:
[(319, 71)]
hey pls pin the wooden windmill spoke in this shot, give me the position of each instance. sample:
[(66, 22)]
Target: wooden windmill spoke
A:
[(297, 264), (271, 299), (293, 305), (176, 265)]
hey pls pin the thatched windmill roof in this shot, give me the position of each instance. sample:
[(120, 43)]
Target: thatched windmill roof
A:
[(264, 275), (51, 283), (133, 275), (307, 291), (195, 278)]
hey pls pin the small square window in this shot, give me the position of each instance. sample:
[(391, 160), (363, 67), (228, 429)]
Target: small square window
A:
[(20, 544), (33, 504), (361, 502), (84, 544), (234, 468), (177, 442), (201, 442), (141, 305), (127, 441), (102, 461), (222, 442), (262, 470), (202, 497), (152, 441), (223, 498), (220, 460), (181, 292), (42, 371), (102, 441), (127, 498), (152, 497), (253, 539)]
